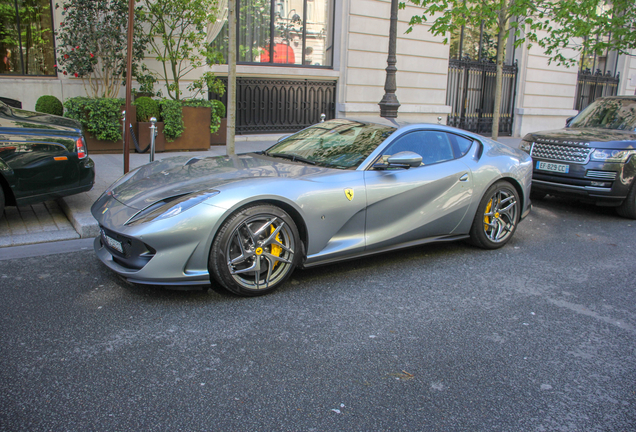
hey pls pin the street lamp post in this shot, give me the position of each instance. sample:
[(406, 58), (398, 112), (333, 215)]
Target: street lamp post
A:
[(389, 104)]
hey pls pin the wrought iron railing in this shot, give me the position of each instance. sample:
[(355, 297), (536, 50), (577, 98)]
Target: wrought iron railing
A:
[(277, 105), (592, 86), (471, 94)]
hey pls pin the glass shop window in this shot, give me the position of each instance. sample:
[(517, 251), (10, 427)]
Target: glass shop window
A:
[(26, 38)]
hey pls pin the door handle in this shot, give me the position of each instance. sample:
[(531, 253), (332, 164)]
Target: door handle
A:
[(463, 178)]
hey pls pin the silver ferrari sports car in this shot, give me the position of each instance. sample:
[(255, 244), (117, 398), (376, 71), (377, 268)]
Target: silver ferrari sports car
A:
[(336, 190)]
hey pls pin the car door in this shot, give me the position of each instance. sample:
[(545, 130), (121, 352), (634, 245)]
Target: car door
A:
[(406, 205)]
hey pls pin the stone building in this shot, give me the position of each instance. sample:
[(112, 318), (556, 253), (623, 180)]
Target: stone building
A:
[(299, 58)]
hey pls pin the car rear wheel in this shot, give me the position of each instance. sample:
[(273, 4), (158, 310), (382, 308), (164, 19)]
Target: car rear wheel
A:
[(628, 208), (497, 217), (255, 250)]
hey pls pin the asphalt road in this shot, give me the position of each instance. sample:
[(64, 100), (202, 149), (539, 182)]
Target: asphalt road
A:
[(537, 336)]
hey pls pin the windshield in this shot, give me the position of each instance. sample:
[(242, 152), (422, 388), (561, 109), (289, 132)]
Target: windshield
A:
[(335, 143), (617, 114)]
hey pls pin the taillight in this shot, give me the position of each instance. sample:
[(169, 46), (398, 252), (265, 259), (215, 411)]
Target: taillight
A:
[(81, 149)]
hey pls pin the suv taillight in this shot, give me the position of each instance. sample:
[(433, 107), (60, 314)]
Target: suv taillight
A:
[(81, 149)]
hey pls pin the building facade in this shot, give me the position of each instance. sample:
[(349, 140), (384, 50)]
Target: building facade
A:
[(322, 55)]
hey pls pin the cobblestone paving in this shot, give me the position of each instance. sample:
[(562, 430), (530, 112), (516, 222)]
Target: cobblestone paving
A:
[(34, 224)]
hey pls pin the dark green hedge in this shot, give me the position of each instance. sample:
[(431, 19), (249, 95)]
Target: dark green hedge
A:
[(49, 105)]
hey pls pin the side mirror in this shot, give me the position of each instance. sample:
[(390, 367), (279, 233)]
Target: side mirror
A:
[(568, 121), (405, 159)]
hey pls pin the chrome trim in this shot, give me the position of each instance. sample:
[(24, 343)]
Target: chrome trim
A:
[(604, 175), (598, 189), (582, 188), (561, 153)]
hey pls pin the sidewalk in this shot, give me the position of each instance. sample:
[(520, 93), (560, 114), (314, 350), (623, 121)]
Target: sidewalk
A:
[(70, 217)]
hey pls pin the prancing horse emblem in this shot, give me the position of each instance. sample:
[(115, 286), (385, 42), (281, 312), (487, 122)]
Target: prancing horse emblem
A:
[(349, 194)]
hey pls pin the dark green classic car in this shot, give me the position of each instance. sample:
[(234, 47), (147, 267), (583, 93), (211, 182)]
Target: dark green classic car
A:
[(42, 157)]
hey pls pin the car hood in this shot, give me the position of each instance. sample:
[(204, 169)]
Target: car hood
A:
[(589, 137), (181, 175), (14, 118)]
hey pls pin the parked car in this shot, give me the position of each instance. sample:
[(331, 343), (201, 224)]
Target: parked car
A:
[(592, 159), (337, 190), (42, 157)]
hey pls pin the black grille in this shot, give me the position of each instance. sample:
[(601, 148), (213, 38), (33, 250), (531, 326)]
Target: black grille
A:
[(470, 92), (135, 255), (561, 153), (272, 105)]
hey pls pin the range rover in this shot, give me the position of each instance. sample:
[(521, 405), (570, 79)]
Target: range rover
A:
[(592, 159)]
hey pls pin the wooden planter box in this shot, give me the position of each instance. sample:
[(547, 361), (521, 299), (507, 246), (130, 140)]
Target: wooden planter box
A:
[(220, 136), (196, 135), (143, 136), (96, 146)]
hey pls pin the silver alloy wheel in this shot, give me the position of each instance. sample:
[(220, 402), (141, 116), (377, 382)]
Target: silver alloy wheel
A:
[(260, 251), (500, 215)]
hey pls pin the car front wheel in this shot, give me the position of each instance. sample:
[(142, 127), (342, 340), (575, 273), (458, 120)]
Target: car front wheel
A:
[(497, 216), (628, 208), (255, 250)]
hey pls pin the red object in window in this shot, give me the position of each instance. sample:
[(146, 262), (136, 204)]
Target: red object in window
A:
[(282, 54)]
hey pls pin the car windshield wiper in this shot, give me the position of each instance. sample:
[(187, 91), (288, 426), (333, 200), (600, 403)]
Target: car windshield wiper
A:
[(292, 157)]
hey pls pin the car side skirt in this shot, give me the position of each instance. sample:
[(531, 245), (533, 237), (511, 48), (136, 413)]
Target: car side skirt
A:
[(314, 262)]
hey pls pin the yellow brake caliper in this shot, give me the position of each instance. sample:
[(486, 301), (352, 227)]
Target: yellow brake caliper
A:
[(275, 249), (487, 218)]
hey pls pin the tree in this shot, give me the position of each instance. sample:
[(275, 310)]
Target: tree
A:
[(554, 25), (92, 44), (177, 31)]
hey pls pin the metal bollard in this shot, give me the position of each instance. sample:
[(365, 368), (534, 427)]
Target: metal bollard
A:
[(123, 137), (153, 134), (322, 118)]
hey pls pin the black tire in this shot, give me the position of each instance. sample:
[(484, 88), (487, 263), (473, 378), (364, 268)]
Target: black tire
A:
[(1, 201), (628, 208), (255, 250), (497, 216)]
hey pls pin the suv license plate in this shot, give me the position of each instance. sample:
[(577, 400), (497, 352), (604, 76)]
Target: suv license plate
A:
[(547, 166)]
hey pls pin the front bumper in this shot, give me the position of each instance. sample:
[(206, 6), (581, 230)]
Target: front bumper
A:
[(597, 182), (173, 251)]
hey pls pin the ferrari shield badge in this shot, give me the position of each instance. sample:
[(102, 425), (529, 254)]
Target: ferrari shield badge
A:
[(349, 194)]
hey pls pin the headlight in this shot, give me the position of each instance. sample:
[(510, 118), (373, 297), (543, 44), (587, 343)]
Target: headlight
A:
[(526, 146), (621, 156), (170, 207)]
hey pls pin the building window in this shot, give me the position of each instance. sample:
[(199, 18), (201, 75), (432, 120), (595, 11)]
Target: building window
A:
[(279, 32), (26, 38)]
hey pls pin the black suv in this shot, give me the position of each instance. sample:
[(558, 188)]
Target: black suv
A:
[(593, 159)]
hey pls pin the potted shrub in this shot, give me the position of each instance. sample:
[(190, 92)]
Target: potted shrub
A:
[(220, 136), (101, 122), (49, 105), (146, 109)]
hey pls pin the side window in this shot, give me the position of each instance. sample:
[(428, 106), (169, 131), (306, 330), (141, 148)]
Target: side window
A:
[(461, 145), (433, 146)]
